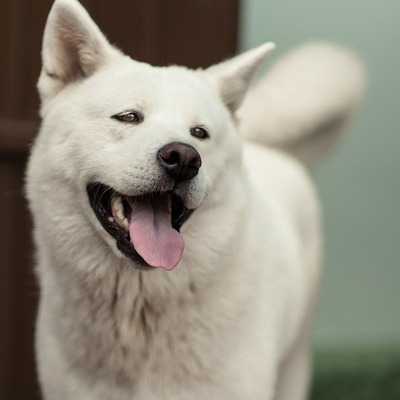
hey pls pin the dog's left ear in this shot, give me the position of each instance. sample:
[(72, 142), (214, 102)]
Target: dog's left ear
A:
[(232, 77)]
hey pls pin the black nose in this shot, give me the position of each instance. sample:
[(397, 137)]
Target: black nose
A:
[(181, 161)]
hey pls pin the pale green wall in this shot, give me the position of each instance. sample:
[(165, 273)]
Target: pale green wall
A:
[(360, 184)]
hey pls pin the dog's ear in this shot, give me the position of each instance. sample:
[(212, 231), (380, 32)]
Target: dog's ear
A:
[(232, 77), (73, 48)]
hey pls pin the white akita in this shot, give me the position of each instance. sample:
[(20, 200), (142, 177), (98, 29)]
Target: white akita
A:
[(138, 171)]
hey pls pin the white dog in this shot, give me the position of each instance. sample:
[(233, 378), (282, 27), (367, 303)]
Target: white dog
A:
[(176, 261)]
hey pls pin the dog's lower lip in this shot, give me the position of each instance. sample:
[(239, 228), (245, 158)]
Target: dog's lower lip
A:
[(106, 204)]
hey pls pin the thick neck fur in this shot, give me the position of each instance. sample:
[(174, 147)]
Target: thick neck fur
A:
[(123, 322)]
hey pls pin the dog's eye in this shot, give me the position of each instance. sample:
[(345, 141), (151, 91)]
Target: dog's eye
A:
[(131, 117), (199, 133)]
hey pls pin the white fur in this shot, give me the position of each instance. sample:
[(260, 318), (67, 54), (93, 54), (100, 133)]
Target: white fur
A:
[(232, 320), (311, 95)]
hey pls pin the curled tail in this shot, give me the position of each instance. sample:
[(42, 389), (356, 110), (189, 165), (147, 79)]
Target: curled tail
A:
[(305, 102)]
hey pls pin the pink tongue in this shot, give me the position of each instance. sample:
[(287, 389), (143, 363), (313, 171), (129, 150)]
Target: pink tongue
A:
[(152, 235)]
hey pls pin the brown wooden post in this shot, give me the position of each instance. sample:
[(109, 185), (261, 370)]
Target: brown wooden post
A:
[(195, 33)]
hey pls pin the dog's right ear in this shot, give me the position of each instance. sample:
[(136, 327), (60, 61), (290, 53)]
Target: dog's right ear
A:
[(73, 48), (232, 77)]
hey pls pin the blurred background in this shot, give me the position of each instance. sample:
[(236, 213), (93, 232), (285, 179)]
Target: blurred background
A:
[(360, 184), (357, 333)]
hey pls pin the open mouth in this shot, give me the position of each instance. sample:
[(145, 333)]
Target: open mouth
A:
[(146, 227)]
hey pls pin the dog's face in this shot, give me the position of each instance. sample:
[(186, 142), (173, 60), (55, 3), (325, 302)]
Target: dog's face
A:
[(140, 148), (146, 147)]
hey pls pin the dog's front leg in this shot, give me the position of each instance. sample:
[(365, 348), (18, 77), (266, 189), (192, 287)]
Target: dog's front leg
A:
[(294, 373)]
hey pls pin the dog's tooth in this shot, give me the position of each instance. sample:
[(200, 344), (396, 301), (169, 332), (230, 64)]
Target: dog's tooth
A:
[(110, 219), (120, 215), (116, 204), (117, 209)]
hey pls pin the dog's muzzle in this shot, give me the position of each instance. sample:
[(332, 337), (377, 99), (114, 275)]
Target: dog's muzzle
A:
[(146, 227)]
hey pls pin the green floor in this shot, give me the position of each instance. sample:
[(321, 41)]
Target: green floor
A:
[(357, 375)]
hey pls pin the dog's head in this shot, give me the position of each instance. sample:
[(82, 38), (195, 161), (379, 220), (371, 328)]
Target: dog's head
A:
[(140, 148)]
